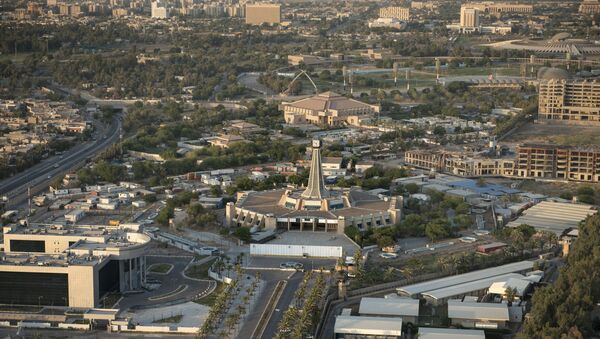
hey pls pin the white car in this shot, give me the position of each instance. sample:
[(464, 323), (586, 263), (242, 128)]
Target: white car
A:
[(385, 255)]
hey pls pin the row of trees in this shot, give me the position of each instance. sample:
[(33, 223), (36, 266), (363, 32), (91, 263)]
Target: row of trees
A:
[(564, 309), (299, 320)]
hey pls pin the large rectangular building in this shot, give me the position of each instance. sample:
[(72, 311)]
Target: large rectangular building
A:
[(258, 14), (556, 162), (74, 267), (589, 7), (396, 12), (570, 101)]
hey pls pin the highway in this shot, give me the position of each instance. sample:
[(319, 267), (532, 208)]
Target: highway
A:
[(39, 176)]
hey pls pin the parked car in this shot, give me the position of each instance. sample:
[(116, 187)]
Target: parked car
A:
[(291, 265)]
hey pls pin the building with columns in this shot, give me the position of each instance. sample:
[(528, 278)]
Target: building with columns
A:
[(316, 208), (74, 266)]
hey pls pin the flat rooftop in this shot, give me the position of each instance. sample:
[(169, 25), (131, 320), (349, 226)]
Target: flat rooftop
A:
[(449, 333), (455, 280), (389, 307), (469, 287), (347, 324), (480, 311), (554, 217), (316, 239)]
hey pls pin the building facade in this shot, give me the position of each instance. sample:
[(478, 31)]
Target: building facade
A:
[(569, 101), (562, 163), (69, 266), (589, 7), (258, 14), (315, 208), (501, 7), (329, 109), (396, 12), (469, 17)]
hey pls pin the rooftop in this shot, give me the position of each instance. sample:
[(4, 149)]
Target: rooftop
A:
[(455, 280), (389, 307), (480, 311), (347, 324), (555, 217), (449, 333)]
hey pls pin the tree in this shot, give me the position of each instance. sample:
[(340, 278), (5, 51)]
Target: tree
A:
[(385, 241), (564, 309), (243, 233), (437, 229)]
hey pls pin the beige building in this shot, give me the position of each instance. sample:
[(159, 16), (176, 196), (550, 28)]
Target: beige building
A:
[(469, 17), (459, 164), (258, 14), (501, 7), (423, 5), (69, 266), (316, 208), (532, 161), (570, 101), (329, 109), (396, 12), (555, 162), (589, 7)]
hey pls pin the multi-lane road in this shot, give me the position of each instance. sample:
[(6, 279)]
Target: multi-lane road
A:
[(40, 175)]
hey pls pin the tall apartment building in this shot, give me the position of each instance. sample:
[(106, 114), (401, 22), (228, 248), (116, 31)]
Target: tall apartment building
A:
[(400, 13), (589, 7), (469, 17), (258, 14), (159, 10), (556, 162), (570, 101)]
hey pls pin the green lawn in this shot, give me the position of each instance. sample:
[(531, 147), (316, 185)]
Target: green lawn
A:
[(169, 320), (199, 271), (209, 300)]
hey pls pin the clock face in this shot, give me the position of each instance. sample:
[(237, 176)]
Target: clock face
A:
[(316, 143)]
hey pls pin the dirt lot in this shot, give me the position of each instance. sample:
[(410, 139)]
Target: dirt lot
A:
[(557, 134)]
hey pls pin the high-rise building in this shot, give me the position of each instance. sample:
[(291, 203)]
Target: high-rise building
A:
[(258, 14), (396, 12), (469, 17), (63, 8), (159, 10), (589, 7), (570, 101)]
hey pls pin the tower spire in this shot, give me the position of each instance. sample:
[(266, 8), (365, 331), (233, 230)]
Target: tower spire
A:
[(316, 184)]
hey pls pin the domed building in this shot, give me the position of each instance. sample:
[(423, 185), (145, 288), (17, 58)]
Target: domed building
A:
[(314, 208)]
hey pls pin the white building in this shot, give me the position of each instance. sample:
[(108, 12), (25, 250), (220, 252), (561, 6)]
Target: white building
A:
[(159, 10)]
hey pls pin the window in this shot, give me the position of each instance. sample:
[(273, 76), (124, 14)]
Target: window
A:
[(38, 246)]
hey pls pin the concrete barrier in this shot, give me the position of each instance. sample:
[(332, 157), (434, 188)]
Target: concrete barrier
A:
[(82, 327)]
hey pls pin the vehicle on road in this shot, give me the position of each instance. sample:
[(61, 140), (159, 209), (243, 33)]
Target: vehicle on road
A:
[(291, 265), (55, 165), (49, 177), (468, 240), (385, 255)]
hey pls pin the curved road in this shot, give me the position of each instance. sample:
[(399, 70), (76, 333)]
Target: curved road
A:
[(40, 175)]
